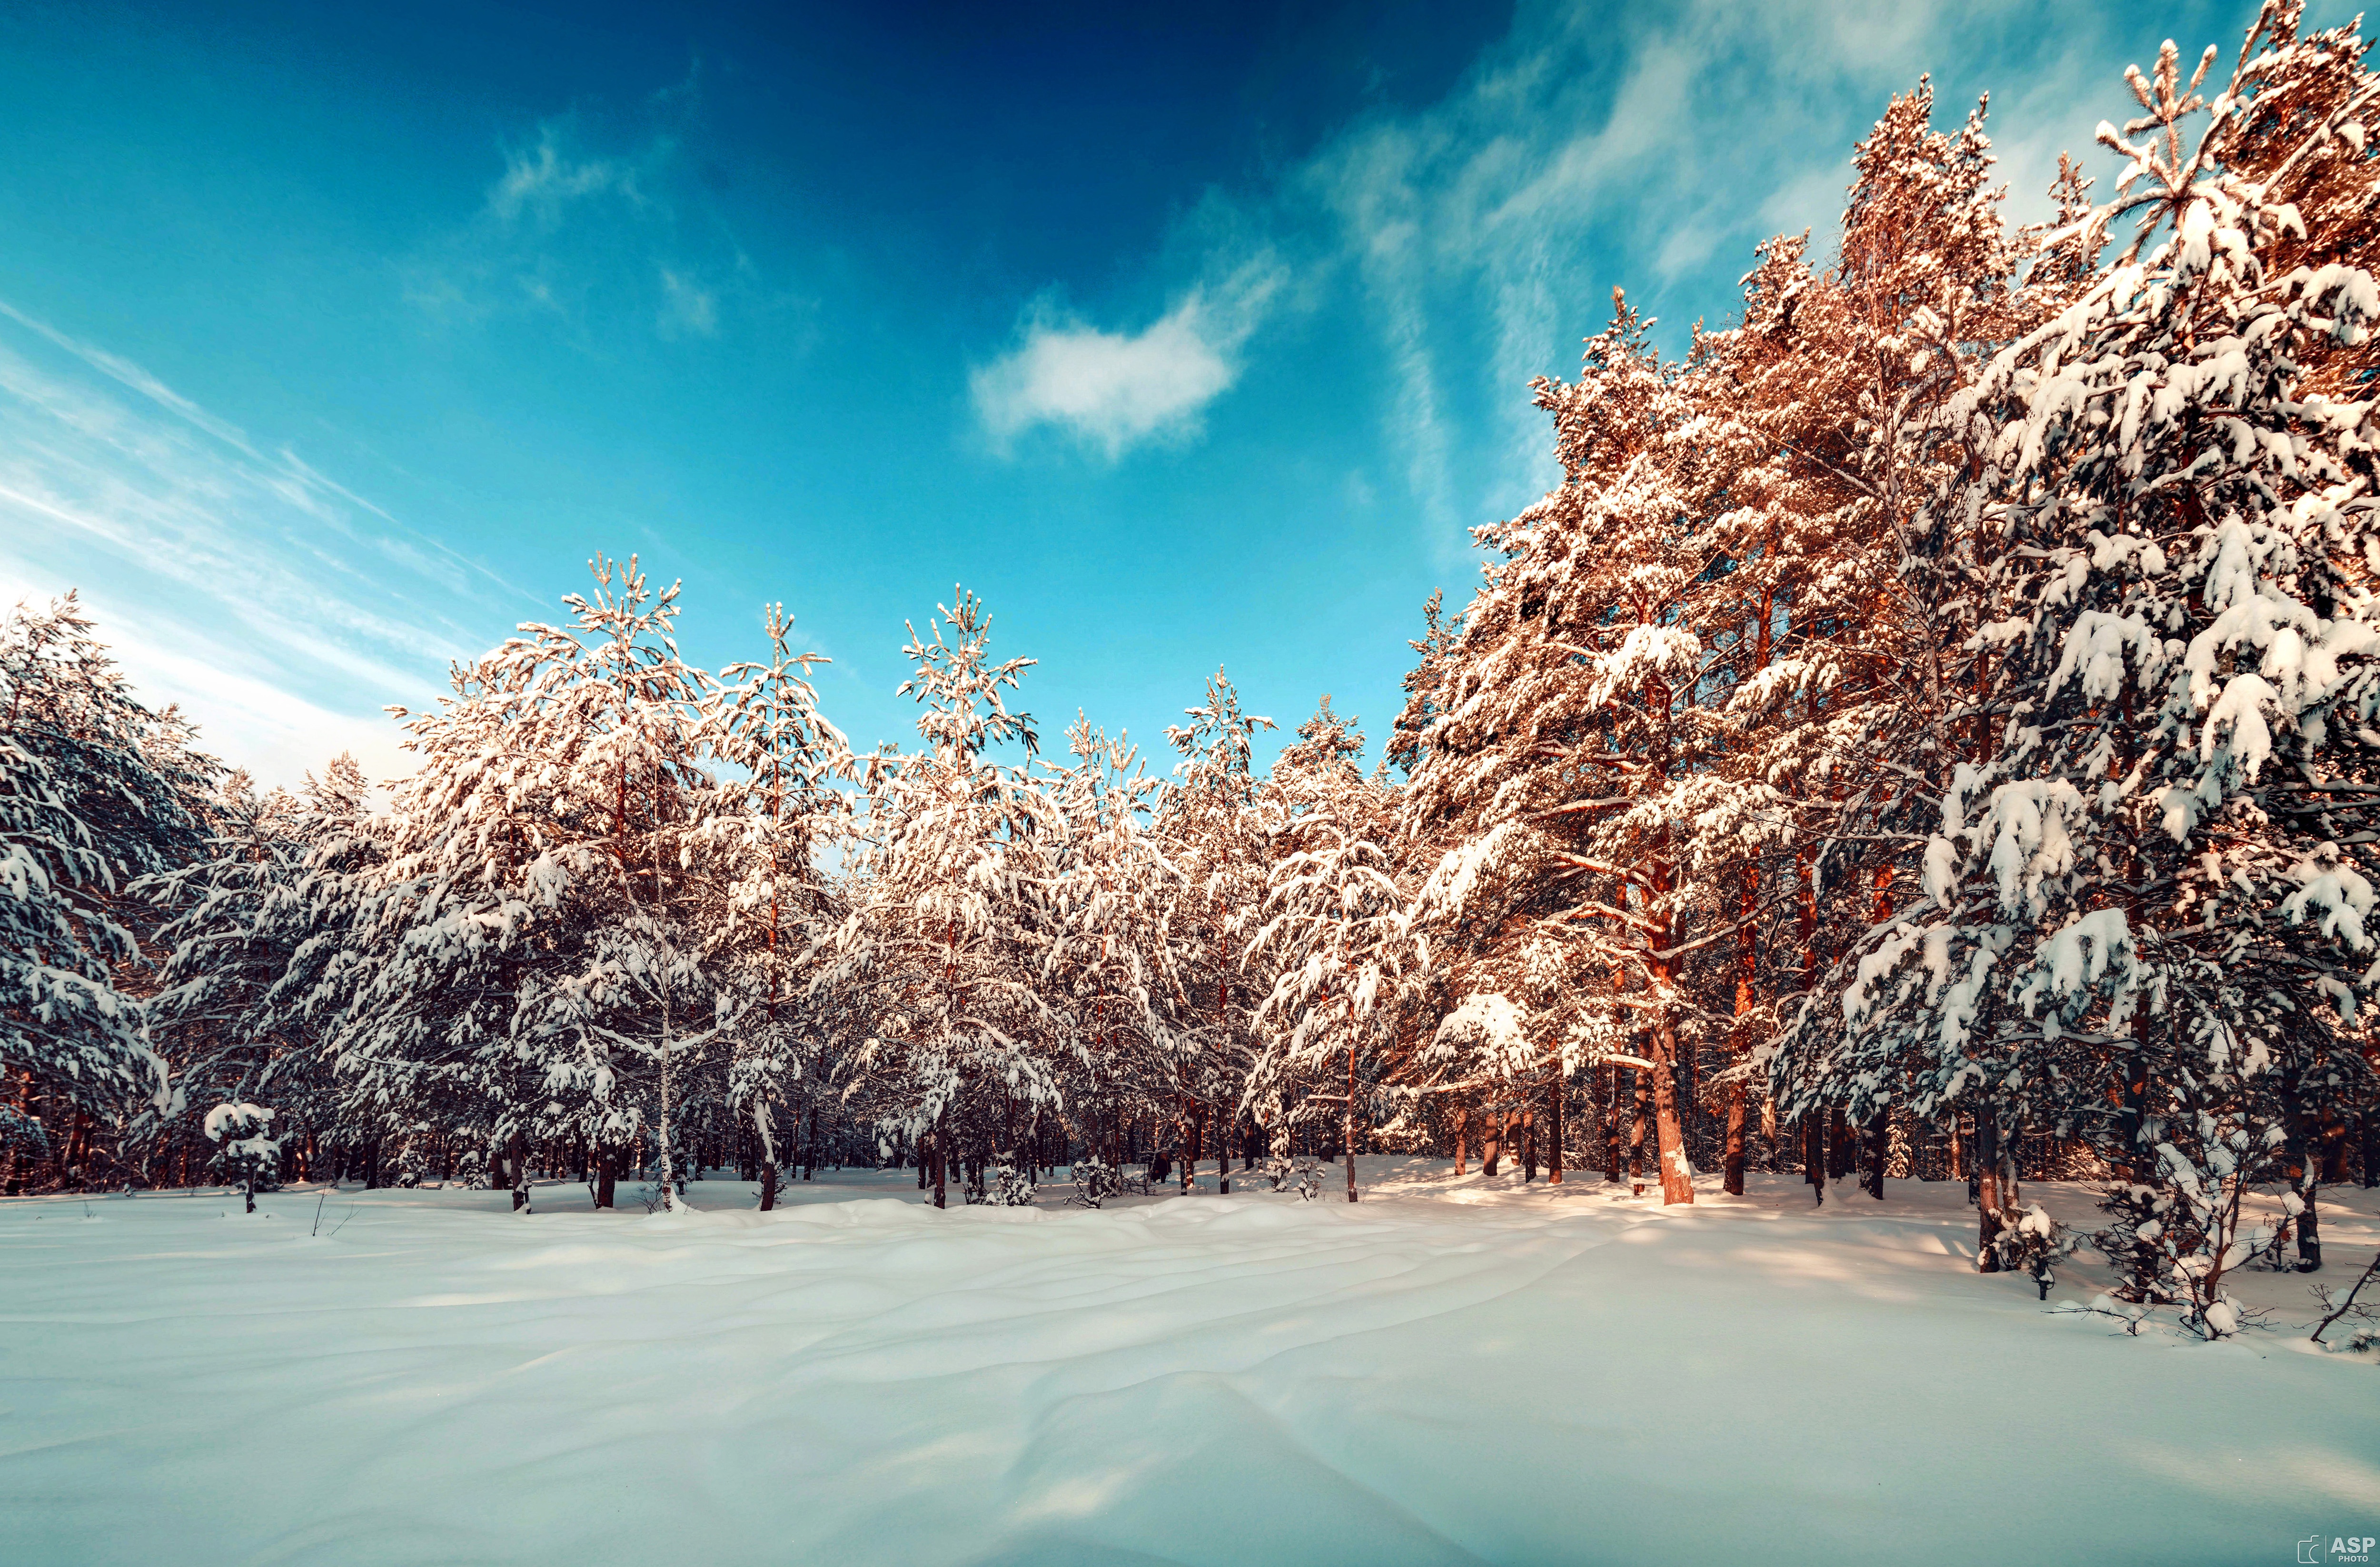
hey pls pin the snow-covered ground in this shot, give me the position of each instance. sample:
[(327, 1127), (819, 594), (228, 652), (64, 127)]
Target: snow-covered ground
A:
[(1451, 1371)]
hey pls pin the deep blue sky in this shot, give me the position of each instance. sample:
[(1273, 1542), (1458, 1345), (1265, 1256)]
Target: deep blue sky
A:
[(335, 338)]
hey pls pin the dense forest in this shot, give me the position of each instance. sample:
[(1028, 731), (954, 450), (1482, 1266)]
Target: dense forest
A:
[(1932, 730)]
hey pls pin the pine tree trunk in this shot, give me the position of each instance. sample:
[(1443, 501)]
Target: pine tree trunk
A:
[(1731, 1152), (1529, 1146), (1611, 1127), (1638, 1114), (2296, 1158), (1351, 1120), (518, 1160), (607, 1174), (1554, 1130), (1223, 1126), (1462, 1133), (1491, 1145), (942, 1174), (1814, 1152), (1984, 1156), (1677, 1177)]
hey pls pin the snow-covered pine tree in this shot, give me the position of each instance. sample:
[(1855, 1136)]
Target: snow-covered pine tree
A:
[(1334, 936), (1210, 829), (2146, 892), (96, 791), (1114, 965), (533, 966), (1837, 698), (777, 813), (1560, 906), (237, 923), (949, 920)]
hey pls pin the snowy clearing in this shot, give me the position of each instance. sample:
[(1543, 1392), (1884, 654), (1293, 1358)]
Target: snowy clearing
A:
[(1454, 1370)]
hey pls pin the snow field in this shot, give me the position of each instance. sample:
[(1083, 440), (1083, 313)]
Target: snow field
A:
[(1452, 1371)]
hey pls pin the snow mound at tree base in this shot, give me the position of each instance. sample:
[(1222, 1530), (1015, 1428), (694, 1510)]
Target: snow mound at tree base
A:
[(1520, 1376)]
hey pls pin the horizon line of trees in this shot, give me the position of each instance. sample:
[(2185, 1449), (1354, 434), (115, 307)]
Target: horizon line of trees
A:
[(1931, 729)]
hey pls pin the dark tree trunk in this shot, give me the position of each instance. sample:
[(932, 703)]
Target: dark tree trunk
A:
[(768, 1184), (2297, 1159), (1879, 1145), (1554, 1131), (1491, 1146), (1984, 1156), (518, 1158), (1351, 1124), (1611, 1127), (1641, 1093), (1731, 1151), (1529, 1146), (607, 1174)]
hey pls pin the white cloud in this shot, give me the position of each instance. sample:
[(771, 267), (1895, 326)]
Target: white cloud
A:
[(1115, 390)]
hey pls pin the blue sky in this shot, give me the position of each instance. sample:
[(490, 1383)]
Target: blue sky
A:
[(335, 339)]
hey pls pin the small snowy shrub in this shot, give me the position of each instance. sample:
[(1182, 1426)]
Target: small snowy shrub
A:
[(1007, 1187), (2174, 1242), (2033, 1245), (1301, 1175), (249, 1156), (1095, 1182), (2133, 1241)]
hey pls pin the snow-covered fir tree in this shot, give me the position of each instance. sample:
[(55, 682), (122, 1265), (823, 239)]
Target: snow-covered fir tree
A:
[(96, 791), (2144, 894), (951, 908)]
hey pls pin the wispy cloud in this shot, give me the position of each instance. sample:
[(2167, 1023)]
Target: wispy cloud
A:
[(1580, 151), (602, 226), (1649, 147), (688, 307), (540, 183), (237, 580), (1117, 390)]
